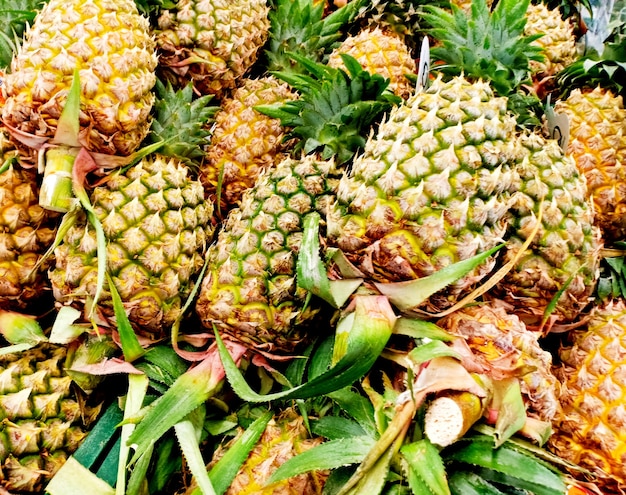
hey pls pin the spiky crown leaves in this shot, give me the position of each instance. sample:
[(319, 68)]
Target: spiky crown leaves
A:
[(485, 45), (606, 69), (180, 122), (299, 26), (336, 107)]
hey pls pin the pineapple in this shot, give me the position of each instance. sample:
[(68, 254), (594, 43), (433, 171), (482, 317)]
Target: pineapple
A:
[(26, 231), (157, 228), (244, 142), (563, 258), (380, 52), (590, 430), (156, 222), (493, 333), (430, 189), (211, 42), (598, 144), (249, 292), (558, 39), (110, 46), (43, 418)]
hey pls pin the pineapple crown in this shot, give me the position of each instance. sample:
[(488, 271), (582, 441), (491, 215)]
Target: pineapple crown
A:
[(336, 108), (606, 68), (180, 122), (15, 15), (485, 45), (299, 26)]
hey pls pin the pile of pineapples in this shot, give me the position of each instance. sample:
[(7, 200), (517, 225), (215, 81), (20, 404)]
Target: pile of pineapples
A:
[(361, 247)]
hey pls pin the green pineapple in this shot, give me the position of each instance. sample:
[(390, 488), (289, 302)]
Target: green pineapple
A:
[(157, 226)]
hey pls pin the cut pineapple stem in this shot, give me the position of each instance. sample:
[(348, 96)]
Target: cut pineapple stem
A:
[(449, 417), (56, 192)]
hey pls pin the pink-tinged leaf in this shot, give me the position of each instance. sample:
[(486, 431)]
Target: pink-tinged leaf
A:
[(110, 366), (30, 140), (446, 373), (18, 328)]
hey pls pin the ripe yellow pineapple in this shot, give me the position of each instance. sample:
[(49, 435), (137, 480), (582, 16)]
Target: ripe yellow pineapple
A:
[(110, 46), (598, 144), (26, 231), (558, 40), (244, 142), (211, 42), (380, 52), (590, 430)]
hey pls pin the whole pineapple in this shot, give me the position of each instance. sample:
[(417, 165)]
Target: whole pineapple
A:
[(558, 40), (26, 231), (43, 419), (380, 52), (243, 141), (250, 292), (108, 42), (563, 257), (157, 227), (590, 430), (431, 187), (211, 42)]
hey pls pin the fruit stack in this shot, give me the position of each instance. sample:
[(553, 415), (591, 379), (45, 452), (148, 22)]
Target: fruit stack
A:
[(313, 247)]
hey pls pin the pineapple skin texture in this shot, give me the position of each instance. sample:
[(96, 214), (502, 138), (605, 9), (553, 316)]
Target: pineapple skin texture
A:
[(430, 189), (110, 45), (26, 231), (42, 422), (249, 291), (379, 52), (558, 40), (211, 42), (157, 225), (244, 142), (598, 144), (591, 431), (565, 252)]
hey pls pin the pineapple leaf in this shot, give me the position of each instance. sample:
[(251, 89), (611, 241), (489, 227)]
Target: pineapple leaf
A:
[(225, 470), (336, 108), (328, 455), (508, 466), (180, 121), (357, 407), (484, 44), (187, 435), (429, 350), (421, 329), (131, 347), (336, 427), (426, 471), (466, 483)]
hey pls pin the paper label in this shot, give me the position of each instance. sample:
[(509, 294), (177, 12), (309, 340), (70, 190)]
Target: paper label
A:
[(558, 128), (423, 72)]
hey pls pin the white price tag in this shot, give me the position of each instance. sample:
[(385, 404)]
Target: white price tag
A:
[(558, 127), (423, 72)]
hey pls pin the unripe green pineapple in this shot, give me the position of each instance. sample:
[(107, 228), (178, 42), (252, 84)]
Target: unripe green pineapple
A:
[(110, 46), (250, 290), (26, 231), (42, 421), (157, 227), (564, 254), (431, 187)]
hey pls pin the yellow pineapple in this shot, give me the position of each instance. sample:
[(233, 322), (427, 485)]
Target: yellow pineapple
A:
[(381, 52), (591, 429), (243, 141), (108, 42)]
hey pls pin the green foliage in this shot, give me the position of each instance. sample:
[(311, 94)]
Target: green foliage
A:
[(180, 122), (484, 45), (336, 108)]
